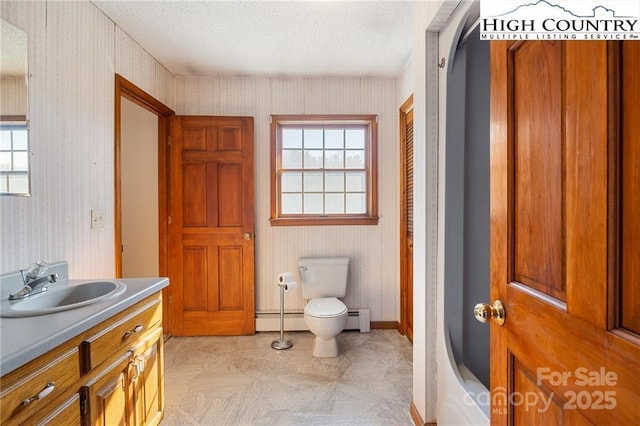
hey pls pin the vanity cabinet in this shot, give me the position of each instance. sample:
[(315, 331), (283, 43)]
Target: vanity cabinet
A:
[(112, 374)]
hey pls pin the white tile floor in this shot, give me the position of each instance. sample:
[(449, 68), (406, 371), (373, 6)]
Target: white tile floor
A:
[(242, 381)]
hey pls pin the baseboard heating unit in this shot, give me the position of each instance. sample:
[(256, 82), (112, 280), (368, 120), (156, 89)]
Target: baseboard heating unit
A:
[(357, 319)]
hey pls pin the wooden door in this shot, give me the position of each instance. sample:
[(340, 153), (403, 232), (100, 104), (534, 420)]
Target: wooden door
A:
[(406, 217), (565, 256), (211, 245)]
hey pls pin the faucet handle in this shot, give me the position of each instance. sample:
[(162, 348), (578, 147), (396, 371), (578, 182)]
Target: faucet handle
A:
[(35, 270)]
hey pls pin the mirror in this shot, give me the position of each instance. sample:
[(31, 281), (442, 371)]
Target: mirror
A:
[(14, 111)]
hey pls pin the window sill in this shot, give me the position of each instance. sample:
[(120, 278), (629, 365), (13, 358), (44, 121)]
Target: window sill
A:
[(323, 221)]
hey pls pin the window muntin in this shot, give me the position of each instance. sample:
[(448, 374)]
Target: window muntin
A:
[(324, 170), (14, 158)]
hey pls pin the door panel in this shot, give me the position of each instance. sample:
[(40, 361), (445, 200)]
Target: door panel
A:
[(562, 126), (212, 211), (537, 221)]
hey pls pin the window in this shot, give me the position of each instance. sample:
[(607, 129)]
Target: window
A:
[(14, 157), (323, 170)]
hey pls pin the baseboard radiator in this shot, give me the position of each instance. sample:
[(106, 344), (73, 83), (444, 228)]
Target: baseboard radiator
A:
[(357, 319)]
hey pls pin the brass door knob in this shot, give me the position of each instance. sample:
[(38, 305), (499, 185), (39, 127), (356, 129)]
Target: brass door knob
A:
[(484, 312), (247, 236)]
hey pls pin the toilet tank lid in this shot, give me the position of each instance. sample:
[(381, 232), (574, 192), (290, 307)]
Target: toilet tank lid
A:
[(305, 261)]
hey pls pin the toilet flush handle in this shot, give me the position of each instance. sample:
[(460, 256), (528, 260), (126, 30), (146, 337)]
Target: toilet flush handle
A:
[(303, 268)]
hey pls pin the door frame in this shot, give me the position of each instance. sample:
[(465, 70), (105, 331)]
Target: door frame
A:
[(404, 284), (125, 88)]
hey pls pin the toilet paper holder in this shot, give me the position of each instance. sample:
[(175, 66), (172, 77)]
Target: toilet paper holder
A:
[(285, 282)]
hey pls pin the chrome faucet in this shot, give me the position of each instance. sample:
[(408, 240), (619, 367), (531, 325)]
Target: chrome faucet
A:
[(34, 281)]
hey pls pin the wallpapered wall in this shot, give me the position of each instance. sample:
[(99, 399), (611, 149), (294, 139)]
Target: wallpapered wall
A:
[(74, 52), (374, 272)]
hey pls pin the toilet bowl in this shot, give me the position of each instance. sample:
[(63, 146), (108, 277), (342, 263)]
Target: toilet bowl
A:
[(326, 318), (323, 280)]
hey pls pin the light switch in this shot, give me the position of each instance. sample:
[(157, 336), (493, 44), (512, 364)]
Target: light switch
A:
[(97, 219)]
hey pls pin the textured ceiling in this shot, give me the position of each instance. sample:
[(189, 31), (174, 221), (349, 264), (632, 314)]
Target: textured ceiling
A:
[(269, 38), (13, 45)]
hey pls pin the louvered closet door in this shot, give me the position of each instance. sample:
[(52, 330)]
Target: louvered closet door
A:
[(406, 227)]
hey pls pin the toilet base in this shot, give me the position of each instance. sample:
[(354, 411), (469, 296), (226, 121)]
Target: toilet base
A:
[(325, 348)]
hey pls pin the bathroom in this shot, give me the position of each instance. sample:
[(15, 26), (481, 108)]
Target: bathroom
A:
[(75, 52)]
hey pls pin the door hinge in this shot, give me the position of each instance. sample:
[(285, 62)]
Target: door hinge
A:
[(170, 299), (169, 220), (169, 140), (83, 406), (121, 248)]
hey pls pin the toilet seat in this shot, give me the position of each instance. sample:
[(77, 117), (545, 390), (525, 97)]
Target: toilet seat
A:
[(325, 307)]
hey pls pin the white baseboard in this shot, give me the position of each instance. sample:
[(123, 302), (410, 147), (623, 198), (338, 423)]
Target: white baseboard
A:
[(358, 319)]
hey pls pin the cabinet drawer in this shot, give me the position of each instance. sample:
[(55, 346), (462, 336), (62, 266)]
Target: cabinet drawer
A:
[(121, 333), (37, 383), (65, 414)]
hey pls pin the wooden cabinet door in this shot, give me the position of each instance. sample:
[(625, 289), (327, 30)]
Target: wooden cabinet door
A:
[(148, 380), (108, 398), (211, 245), (565, 240)]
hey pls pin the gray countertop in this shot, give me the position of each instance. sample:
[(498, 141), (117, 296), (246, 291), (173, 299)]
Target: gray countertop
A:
[(24, 339)]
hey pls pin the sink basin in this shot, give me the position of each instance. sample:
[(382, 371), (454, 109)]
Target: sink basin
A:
[(62, 297)]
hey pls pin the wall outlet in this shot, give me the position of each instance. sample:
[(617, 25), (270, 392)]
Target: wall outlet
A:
[(97, 219)]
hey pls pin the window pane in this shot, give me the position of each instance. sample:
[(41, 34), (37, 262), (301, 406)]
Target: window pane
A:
[(354, 138), (20, 161), (18, 183), (334, 139), (356, 182), (355, 159), (20, 140), (292, 138), (5, 140), (291, 203), (3, 183), (313, 159), (313, 203), (313, 138), (356, 203), (334, 203), (5, 161), (291, 182), (334, 182), (333, 159), (291, 159), (313, 182)]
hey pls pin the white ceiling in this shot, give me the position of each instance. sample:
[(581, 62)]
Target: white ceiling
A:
[(13, 45), (270, 38)]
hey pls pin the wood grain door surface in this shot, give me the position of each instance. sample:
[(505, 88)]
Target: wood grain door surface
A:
[(211, 243), (565, 232), (406, 217)]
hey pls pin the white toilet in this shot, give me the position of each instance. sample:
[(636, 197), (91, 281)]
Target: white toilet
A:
[(323, 280)]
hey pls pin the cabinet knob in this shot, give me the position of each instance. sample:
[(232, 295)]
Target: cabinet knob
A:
[(43, 393)]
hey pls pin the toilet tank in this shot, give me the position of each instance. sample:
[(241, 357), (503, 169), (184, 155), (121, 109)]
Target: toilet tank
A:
[(323, 276)]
